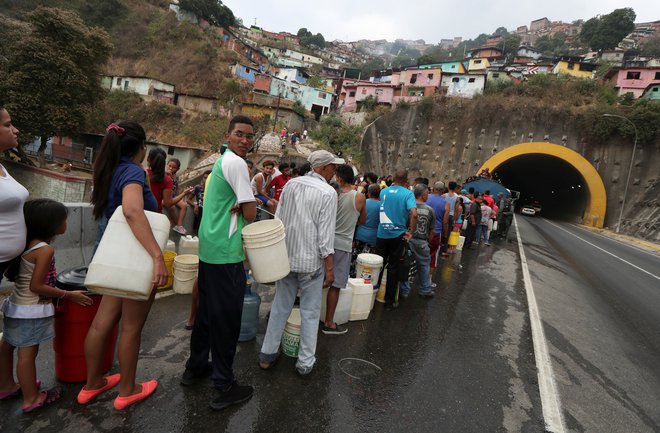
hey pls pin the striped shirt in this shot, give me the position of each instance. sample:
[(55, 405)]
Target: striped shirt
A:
[(308, 208)]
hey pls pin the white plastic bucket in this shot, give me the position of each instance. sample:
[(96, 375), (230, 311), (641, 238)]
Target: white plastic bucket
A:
[(368, 267), (266, 250), (121, 266), (291, 334), (362, 299), (461, 241), (343, 310), (185, 272)]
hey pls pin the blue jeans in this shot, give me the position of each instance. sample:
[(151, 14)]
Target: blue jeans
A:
[(422, 253), (482, 231), (311, 285)]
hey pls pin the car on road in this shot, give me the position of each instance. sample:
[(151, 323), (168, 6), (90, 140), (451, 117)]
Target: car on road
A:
[(528, 210)]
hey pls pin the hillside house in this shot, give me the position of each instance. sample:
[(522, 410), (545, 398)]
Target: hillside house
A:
[(451, 67), (529, 52), (633, 80), (247, 73), (574, 67), (614, 57), (296, 75), (316, 101), (652, 92), (148, 88), (478, 64), (490, 53), (540, 24), (417, 82), (199, 104), (353, 92), (463, 85), (232, 42)]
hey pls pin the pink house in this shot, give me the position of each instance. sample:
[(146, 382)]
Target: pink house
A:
[(354, 92), (634, 80), (416, 83)]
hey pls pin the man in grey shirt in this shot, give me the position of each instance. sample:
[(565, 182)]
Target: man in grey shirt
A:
[(419, 243)]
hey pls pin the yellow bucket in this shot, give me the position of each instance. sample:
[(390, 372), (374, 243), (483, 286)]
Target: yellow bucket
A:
[(453, 238), (169, 256)]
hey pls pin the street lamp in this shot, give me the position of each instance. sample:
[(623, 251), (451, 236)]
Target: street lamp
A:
[(632, 161)]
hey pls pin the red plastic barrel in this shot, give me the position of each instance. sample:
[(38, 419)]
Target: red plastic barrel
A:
[(72, 321)]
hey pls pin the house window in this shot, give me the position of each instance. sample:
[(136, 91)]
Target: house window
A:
[(430, 76), (322, 95), (170, 150), (571, 66), (351, 93), (477, 62), (247, 70), (657, 75), (126, 85), (454, 80), (633, 75), (413, 79), (118, 81), (471, 80), (364, 91), (379, 91), (496, 75)]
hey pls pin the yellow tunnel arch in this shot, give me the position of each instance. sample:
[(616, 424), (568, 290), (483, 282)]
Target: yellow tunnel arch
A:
[(594, 214)]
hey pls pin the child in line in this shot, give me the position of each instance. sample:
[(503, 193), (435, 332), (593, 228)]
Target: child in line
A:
[(28, 312), (173, 166)]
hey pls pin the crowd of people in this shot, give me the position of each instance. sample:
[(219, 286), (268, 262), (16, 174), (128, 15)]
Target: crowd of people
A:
[(330, 215)]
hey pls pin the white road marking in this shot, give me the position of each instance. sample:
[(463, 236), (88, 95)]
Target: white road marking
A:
[(618, 241), (552, 412), (605, 251)]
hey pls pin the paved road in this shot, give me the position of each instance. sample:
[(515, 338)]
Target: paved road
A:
[(462, 362), (599, 300)]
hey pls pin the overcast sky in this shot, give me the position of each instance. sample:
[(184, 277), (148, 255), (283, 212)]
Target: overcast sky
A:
[(430, 20)]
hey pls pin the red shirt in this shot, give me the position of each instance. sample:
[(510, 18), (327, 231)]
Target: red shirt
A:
[(158, 187), (278, 183)]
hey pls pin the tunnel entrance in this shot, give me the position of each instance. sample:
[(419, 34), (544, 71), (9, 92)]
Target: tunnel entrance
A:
[(549, 182), (561, 180)]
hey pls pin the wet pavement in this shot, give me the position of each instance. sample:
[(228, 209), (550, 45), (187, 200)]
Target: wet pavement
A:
[(461, 362)]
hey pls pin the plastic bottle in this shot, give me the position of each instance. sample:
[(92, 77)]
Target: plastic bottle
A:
[(250, 317)]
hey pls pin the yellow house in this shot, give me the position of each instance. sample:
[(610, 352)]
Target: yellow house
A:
[(574, 68), (478, 64)]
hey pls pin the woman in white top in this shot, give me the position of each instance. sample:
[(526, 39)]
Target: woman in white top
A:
[(12, 197)]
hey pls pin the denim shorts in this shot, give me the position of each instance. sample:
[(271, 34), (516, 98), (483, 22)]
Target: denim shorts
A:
[(28, 332)]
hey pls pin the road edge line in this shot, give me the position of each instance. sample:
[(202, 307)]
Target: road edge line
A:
[(550, 404)]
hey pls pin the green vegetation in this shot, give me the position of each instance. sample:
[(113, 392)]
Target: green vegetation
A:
[(651, 47), (307, 39), (164, 123), (212, 11), (43, 102), (334, 133), (605, 32)]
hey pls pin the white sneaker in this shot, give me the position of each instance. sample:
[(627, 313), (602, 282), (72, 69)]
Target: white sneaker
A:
[(180, 229)]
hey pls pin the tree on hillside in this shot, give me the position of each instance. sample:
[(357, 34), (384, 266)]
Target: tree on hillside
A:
[(605, 32), (212, 11), (511, 43), (308, 39), (500, 31), (51, 73)]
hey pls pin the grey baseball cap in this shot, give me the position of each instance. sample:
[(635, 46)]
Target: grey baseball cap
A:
[(319, 158)]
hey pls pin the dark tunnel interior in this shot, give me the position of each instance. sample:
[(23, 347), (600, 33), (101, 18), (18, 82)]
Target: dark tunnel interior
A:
[(549, 181)]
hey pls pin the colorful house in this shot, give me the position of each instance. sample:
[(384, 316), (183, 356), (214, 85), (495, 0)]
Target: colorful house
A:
[(574, 67), (478, 64), (451, 67), (652, 92), (417, 83), (633, 80), (463, 85)]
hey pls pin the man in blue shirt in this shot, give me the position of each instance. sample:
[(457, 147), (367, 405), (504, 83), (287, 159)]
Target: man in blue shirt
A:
[(398, 222)]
